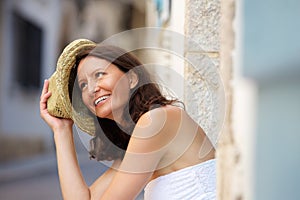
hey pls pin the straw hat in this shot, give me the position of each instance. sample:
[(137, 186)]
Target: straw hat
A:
[(60, 103)]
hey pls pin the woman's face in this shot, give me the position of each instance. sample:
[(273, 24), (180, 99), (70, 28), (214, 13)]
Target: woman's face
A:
[(105, 88)]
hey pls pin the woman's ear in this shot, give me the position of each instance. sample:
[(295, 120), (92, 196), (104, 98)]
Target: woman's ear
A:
[(133, 79)]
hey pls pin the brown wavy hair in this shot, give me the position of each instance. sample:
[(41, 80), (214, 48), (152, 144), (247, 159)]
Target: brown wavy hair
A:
[(111, 140)]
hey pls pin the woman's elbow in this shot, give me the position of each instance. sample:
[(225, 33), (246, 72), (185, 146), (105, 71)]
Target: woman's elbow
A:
[(80, 195)]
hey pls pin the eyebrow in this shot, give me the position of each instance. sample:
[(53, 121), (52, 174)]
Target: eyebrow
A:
[(99, 68)]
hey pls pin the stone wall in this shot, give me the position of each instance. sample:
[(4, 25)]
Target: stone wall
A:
[(209, 25), (204, 90), (203, 86)]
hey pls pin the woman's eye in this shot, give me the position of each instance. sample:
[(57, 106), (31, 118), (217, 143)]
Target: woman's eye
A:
[(99, 74), (82, 85)]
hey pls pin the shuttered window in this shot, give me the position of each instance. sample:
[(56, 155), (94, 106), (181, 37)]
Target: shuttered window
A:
[(27, 53)]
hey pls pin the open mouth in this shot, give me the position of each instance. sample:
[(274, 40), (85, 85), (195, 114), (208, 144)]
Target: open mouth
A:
[(101, 99)]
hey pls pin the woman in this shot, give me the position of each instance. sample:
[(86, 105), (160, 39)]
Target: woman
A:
[(152, 141)]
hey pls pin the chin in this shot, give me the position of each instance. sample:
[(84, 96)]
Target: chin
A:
[(105, 115), (110, 113)]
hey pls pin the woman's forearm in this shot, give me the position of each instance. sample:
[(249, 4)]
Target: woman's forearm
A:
[(72, 183)]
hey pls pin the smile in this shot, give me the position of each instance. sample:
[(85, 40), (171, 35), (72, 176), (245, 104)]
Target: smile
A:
[(101, 99)]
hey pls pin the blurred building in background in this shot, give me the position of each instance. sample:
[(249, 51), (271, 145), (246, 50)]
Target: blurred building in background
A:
[(260, 155), (33, 33), (271, 61)]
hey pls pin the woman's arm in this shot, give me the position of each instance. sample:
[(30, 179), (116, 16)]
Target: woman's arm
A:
[(101, 184), (72, 183), (146, 148)]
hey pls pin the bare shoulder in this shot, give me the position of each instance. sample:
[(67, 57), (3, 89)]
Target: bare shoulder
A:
[(167, 113), (158, 126), (160, 119), (150, 138), (161, 136)]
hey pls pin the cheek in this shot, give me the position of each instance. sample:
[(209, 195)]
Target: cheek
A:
[(85, 100), (121, 91)]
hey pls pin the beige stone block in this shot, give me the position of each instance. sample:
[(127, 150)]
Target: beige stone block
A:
[(204, 93), (202, 25)]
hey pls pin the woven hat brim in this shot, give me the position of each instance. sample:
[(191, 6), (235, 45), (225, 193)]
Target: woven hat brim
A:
[(54, 104), (59, 104)]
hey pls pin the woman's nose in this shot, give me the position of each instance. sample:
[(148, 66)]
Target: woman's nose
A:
[(96, 89), (93, 87)]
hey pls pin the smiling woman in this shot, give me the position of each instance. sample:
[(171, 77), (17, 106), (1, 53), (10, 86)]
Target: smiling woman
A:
[(98, 80), (148, 136)]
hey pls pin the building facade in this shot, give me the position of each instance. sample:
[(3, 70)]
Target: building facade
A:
[(33, 34)]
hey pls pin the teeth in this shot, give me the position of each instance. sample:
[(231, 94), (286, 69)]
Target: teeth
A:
[(101, 99)]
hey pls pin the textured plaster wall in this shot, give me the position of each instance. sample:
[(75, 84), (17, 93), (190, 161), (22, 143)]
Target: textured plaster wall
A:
[(204, 94), (209, 25)]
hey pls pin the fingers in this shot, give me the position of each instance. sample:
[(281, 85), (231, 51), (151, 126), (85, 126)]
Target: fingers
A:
[(45, 87), (44, 97), (53, 122)]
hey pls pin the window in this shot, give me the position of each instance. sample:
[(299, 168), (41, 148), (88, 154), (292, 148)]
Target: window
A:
[(27, 53)]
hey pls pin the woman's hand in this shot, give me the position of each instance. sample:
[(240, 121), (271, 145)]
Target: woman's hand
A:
[(55, 123), (72, 183)]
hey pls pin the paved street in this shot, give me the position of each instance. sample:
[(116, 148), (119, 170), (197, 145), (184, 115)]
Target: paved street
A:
[(42, 187), (41, 183), (37, 179)]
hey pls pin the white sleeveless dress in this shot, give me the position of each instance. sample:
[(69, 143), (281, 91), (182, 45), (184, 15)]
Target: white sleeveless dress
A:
[(196, 182)]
